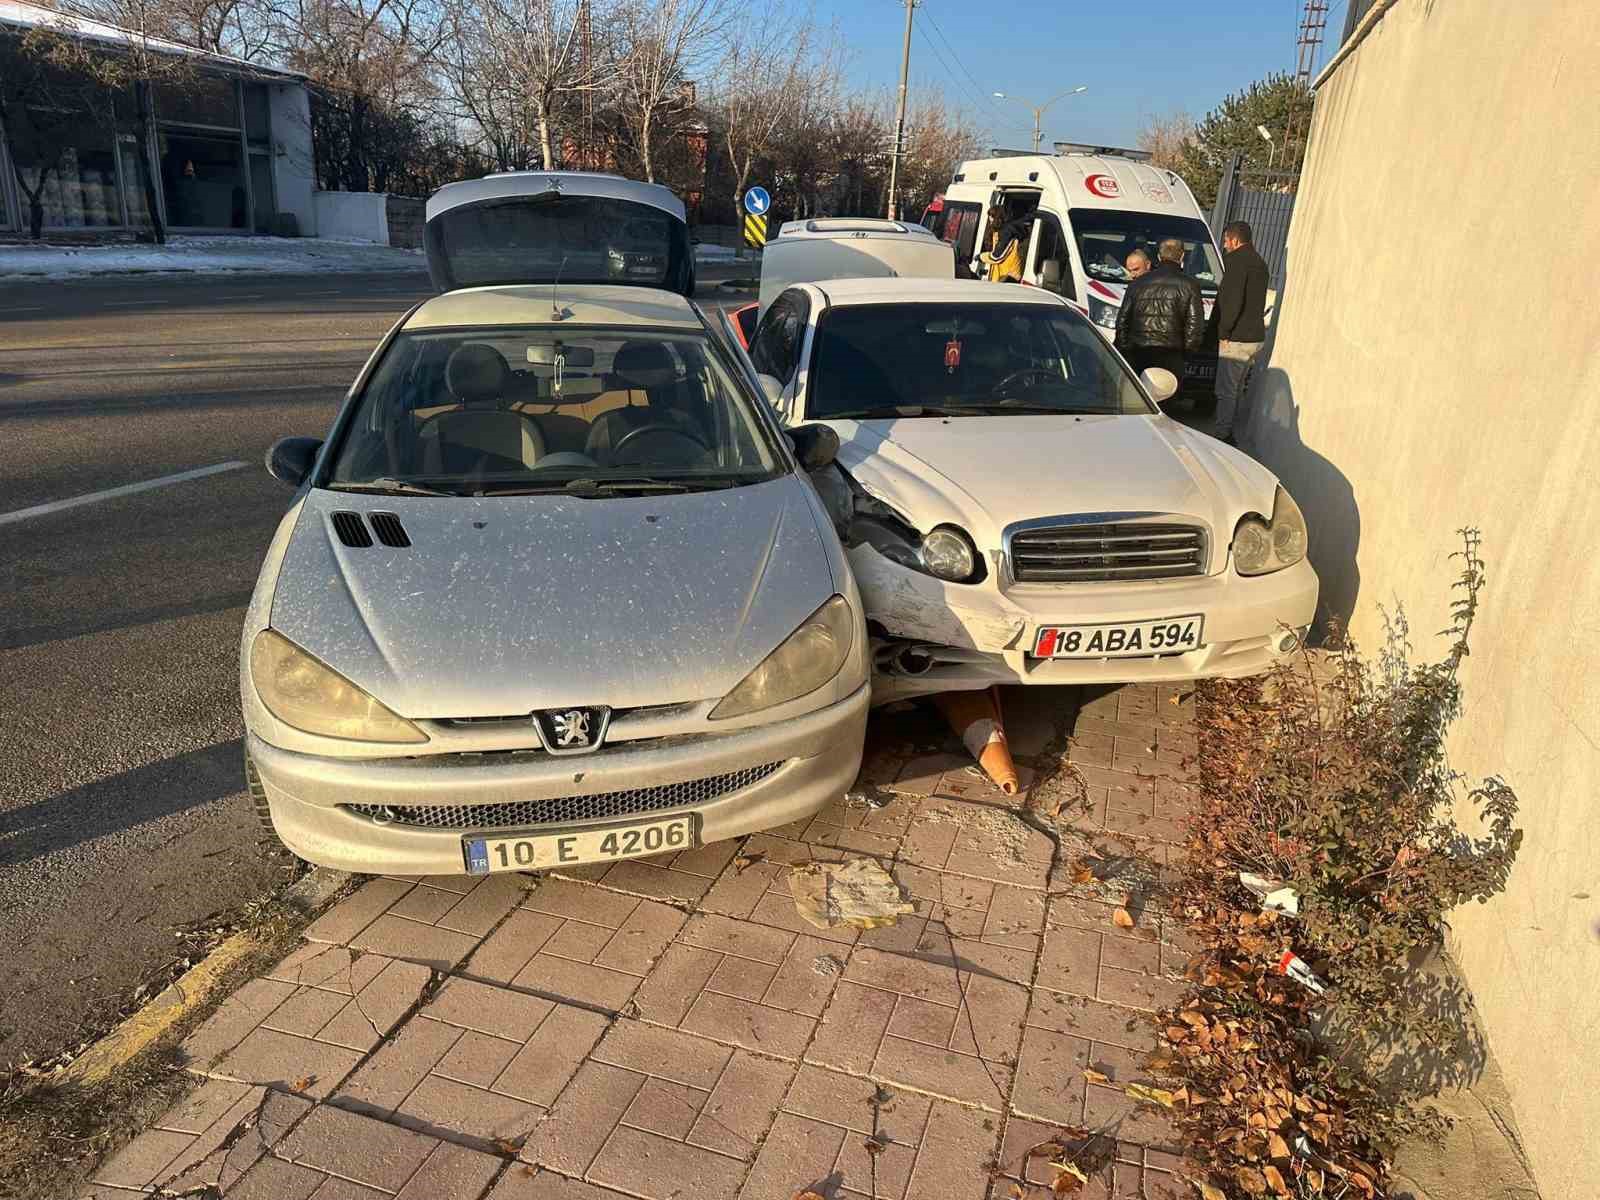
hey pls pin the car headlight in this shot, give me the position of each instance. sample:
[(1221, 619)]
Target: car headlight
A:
[(1261, 547), (949, 554), (807, 659), (1102, 314), (313, 697)]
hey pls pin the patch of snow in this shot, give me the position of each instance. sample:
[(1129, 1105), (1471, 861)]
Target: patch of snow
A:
[(206, 255)]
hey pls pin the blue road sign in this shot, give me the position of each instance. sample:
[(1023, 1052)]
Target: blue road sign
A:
[(756, 201)]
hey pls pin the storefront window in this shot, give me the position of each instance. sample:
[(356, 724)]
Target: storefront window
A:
[(205, 100), (204, 181), (133, 176), (80, 180)]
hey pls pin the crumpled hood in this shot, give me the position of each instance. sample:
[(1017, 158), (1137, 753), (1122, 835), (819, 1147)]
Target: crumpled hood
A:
[(984, 473), (503, 605)]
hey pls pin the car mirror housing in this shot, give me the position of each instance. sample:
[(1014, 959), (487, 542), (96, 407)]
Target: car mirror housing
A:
[(1161, 383), (814, 445), (290, 459)]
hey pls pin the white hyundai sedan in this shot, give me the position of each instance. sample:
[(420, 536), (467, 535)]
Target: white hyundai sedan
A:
[(1016, 508)]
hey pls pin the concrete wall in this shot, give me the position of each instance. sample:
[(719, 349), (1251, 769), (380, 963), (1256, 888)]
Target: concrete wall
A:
[(294, 169), (406, 215), (353, 216), (1436, 363)]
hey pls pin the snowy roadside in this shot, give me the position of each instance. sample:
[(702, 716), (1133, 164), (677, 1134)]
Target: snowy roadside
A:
[(206, 255)]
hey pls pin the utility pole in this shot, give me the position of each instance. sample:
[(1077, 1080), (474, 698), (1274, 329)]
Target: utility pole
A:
[(900, 118)]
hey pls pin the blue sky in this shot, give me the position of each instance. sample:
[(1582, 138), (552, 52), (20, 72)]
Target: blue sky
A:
[(1137, 57)]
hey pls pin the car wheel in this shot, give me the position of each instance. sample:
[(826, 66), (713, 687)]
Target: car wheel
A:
[(270, 840)]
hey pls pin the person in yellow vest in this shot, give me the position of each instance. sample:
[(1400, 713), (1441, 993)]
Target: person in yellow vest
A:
[(1008, 243)]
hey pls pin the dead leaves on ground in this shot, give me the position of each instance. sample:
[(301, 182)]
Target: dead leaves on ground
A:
[(1122, 919)]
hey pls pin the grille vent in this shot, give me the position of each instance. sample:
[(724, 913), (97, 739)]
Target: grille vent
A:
[(525, 813), (1085, 553), (352, 530), (389, 530)]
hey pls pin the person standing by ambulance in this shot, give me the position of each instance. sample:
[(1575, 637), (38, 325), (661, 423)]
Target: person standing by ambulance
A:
[(1240, 317)]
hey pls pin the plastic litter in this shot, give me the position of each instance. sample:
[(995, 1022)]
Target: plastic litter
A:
[(1274, 895), (1292, 965), (858, 893), (976, 717)]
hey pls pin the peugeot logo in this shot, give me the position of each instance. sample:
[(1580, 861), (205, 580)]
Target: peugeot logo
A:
[(572, 730)]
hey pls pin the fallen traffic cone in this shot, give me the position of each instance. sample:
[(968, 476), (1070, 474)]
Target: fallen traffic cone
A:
[(976, 717)]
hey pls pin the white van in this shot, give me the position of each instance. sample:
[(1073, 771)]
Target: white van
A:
[(1092, 206)]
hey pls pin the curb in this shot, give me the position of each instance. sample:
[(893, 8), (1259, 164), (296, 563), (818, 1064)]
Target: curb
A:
[(187, 993)]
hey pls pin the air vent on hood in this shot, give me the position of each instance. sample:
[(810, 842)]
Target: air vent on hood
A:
[(352, 530), (389, 530)]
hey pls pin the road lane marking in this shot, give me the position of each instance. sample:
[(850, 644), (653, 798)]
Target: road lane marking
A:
[(127, 489), (30, 308)]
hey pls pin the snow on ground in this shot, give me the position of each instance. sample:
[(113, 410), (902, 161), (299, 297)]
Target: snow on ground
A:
[(206, 255)]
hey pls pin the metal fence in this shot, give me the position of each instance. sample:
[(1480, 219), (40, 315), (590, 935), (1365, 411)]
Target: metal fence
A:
[(1265, 198)]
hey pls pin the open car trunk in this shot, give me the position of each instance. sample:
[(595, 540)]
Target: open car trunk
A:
[(557, 227)]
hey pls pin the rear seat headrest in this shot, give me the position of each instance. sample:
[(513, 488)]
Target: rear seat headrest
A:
[(477, 372), (644, 365)]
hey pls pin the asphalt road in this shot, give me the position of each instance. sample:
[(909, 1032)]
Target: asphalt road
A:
[(122, 815), (123, 819)]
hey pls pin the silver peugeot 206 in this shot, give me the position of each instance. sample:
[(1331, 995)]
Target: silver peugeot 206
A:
[(556, 588)]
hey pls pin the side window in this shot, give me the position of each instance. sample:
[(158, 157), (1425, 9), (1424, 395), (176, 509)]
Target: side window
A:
[(958, 226), (1051, 247), (776, 349)]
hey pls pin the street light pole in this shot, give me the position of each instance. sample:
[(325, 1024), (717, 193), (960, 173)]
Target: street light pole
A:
[(900, 118), (1038, 113)]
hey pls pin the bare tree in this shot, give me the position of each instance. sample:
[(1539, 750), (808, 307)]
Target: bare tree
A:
[(1166, 136), (770, 63), (516, 65), (663, 44)]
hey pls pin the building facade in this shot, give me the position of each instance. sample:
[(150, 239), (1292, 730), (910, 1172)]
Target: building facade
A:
[(228, 148)]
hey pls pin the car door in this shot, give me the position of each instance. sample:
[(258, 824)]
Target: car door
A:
[(1050, 247)]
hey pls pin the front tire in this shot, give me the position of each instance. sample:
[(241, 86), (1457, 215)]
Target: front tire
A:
[(270, 842)]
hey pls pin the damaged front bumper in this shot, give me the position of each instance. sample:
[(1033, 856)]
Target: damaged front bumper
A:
[(933, 636)]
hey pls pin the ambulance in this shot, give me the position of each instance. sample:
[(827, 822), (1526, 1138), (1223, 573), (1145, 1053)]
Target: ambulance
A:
[(1091, 207)]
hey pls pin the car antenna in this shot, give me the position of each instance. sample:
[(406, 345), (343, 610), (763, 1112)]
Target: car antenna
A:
[(556, 313)]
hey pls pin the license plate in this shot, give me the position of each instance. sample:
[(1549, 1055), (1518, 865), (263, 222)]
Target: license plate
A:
[(541, 851), (1128, 639), (1200, 370)]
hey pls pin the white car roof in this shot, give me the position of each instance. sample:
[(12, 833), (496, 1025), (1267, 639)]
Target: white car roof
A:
[(530, 304), (924, 291), (851, 227)]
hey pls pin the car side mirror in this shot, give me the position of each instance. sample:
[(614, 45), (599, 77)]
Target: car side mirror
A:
[(1161, 383), (771, 387), (1050, 274), (814, 445), (290, 460)]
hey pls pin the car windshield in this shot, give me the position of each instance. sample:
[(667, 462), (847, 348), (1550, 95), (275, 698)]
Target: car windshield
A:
[(583, 410), (1107, 236), (970, 359)]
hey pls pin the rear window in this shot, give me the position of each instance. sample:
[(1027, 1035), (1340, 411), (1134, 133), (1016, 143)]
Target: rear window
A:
[(577, 239)]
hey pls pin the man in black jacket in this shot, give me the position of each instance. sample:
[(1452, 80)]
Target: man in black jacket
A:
[(1241, 322), (1162, 316)]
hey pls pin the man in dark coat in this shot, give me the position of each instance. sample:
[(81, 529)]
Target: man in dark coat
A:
[(1162, 316), (1240, 315)]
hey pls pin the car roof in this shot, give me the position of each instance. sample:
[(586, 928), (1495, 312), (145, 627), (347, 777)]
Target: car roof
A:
[(950, 291), (851, 227), (531, 304)]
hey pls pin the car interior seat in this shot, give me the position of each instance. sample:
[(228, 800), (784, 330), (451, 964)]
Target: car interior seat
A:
[(639, 366), (479, 435)]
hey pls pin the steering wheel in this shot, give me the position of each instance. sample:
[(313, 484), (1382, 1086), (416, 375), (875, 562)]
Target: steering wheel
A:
[(666, 431), (1042, 374)]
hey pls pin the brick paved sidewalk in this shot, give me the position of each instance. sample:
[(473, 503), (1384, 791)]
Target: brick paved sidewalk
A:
[(671, 1028)]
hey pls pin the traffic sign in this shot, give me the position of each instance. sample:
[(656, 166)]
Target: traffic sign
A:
[(755, 232), (757, 201)]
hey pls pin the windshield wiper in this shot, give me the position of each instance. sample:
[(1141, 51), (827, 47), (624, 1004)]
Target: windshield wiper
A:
[(390, 487), (588, 488), (1034, 410)]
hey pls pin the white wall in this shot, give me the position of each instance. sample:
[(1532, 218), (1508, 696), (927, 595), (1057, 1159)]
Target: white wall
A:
[(353, 216), (1436, 364), (293, 164)]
